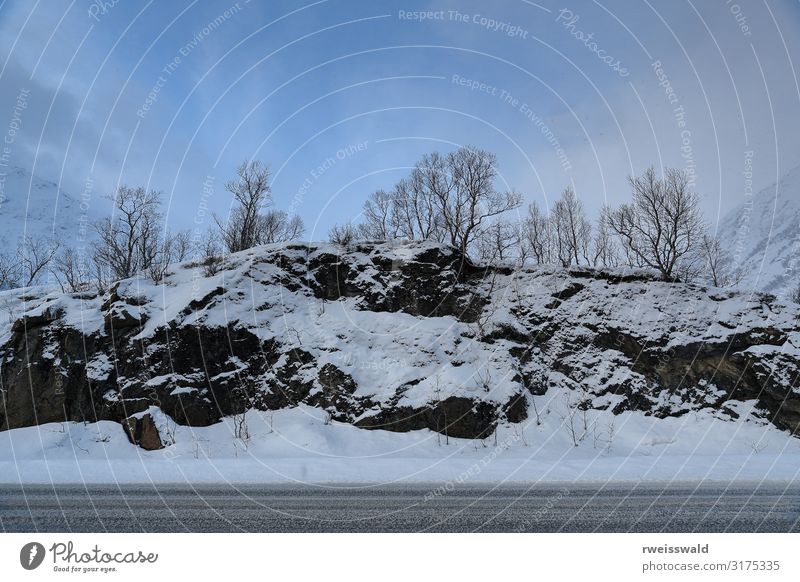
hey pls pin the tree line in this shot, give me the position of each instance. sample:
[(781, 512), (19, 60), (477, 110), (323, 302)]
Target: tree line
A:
[(134, 240), (453, 199)]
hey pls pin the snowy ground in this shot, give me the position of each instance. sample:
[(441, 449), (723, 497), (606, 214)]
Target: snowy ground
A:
[(298, 446)]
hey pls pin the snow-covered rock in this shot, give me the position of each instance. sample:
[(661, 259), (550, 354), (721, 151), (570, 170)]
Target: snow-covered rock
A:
[(398, 337)]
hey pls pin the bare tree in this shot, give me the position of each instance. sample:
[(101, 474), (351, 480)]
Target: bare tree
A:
[(500, 242), (277, 226), (251, 193), (380, 217), (663, 225), (538, 232), (100, 274), (161, 258), (344, 234), (570, 412), (450, 199), (604, 249), (73, 270), (182, 247), (472, 201), (718, 263), (10, 272), (34, 256), (129, 240), (241, 428), (211, 254), (414, 212), (295, 228), (795, 294), (572, 230)]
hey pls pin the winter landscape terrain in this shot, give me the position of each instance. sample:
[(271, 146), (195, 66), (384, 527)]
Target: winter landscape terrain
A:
[(400, 266), (434, 349), (763, 235), (397, 362), (36, 208)]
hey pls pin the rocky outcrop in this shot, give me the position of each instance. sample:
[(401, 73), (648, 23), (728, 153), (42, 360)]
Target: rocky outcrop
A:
[(394, 337)]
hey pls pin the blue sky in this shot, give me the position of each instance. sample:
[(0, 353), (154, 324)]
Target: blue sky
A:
[(341, 97)]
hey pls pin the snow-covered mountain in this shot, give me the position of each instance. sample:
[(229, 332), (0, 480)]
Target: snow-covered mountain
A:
[(34, 207), (764, 237)]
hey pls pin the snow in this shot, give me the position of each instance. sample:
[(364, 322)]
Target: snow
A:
[(431, 358), (299, 446), (763, 235), (34, 207)]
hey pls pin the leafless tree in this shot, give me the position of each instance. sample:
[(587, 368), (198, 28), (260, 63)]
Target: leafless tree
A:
[(241, 428), (538, 232), (604, 248), (295, 228), (210, 254), (34, 256), (277, 226), (718, 263), (73, 270), (129, 240), (572, 230), (471, 200), (448, 198), (251, 193), (10, 272), (381, 217), (161, 258), (414, 214), (795, 294), (663, 225), (182, 246), (500, 242), (438, 407), (100, 275), (344, 234), (568, 416)]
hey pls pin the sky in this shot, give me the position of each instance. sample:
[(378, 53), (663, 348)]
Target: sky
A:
[(341, 98)]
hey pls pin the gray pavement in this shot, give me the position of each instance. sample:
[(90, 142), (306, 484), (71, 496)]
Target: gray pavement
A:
[(434, 508)]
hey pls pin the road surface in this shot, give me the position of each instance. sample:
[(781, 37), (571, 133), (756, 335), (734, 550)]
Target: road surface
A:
[(417, 508)]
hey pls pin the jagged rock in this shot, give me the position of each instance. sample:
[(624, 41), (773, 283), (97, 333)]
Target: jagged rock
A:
[(122, 311), (26, 322), (337, 391), (123, 316)]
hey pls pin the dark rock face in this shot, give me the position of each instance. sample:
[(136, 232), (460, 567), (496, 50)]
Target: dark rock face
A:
[(581, 330), (434, 284), (455, 417), (43, 378)]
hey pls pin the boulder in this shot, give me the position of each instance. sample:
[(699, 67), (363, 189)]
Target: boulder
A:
[(142, 431)]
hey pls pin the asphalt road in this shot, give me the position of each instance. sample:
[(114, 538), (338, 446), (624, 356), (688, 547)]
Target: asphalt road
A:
[(254, 508)]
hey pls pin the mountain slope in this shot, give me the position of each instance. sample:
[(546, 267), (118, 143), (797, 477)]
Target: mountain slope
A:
[(400, 338), (764, 237), (34, 207)]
